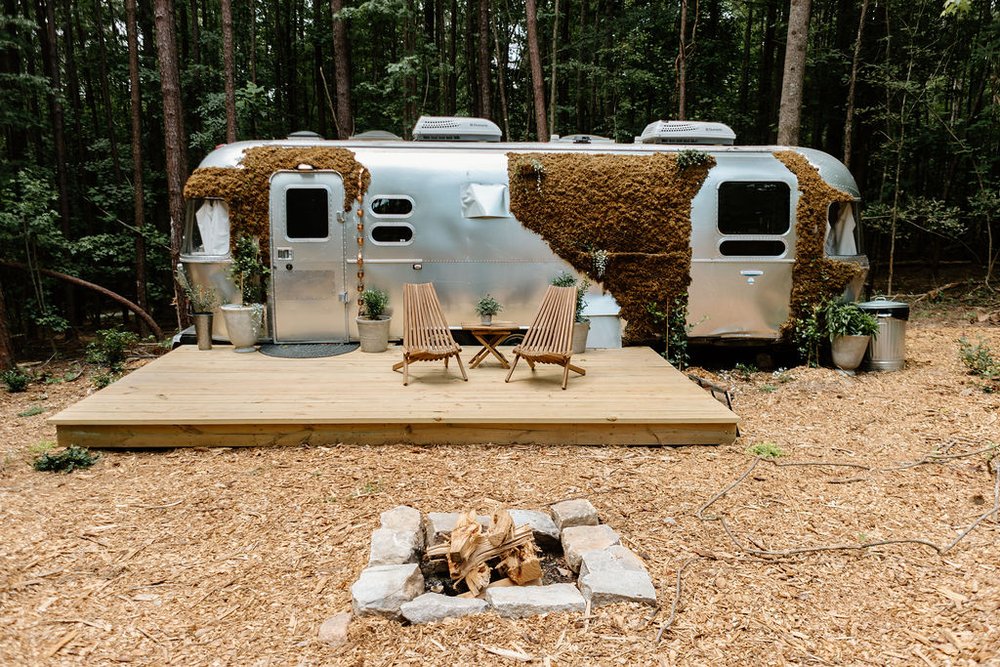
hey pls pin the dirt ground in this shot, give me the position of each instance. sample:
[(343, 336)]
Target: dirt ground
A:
[(236, 556)]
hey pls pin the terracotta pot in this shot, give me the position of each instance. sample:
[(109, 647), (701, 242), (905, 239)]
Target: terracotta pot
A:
[(848, 351), (373, 334)]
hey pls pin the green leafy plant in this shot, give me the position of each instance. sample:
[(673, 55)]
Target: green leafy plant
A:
[(248, 270), (67, 460), (203, 299), (488, 306), (979, 359), (102, 379), (111, 347), (744, 371), (15, 380), (808, 334), (691, 158), (677, 328), (846, 319), (32, 411), (42, 447), (765, 450), (375, 301), (599, 260), (567, 280)]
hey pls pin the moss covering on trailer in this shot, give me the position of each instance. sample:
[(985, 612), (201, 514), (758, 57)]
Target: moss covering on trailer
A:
[(636, 208), (815, 277), (246, 188)]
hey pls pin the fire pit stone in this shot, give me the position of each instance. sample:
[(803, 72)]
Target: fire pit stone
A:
[(521, 601), (578, 540), (431, 607), (614, 574), (577, 512), (544, 529), (382, 589)]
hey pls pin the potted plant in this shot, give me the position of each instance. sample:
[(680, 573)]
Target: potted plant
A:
[(581, 325), (245, 320), (487, 308), (204, 301), (850, 329), (373, 324)]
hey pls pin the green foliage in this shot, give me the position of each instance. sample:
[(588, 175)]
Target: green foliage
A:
[(677, 328), (32, 411), (251, 102), (488, 306), (808, 333), (744, 371), (248, 270), (110, 347), (765, 450), (846, 319), (68, 460), (690, 157), (565, 279), (15, 380), (979, 359), (103, 379), (375, 301), (203, 299)]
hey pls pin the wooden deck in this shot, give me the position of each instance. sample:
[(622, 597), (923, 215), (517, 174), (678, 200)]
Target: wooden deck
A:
[(218, 398)]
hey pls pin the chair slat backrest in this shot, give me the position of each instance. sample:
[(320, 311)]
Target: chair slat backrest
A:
[(552, 330), (424, 324)]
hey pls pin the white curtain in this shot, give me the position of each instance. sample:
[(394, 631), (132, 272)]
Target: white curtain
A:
[(481, 200), (840, 237), (213, 225)]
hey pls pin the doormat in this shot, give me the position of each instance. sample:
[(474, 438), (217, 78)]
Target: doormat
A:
[(307, 350)]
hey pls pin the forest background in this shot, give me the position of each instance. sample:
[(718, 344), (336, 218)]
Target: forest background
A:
[(106, 105)]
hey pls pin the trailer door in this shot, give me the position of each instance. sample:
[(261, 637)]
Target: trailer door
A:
[(308, 274)]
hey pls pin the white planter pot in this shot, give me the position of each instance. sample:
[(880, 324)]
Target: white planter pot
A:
[(580, 332), (848, 351), (486, 320), (244, 324), (373, 334)]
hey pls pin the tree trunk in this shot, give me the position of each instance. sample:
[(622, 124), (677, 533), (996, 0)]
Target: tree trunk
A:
[(132, 31), (6, 346), (485, 89), (102, 63), (535, 59), (682, 65), (343, 120), (789, 113), (852, 85), (173, 135), (227, 67), (552, 78), (501, 79)]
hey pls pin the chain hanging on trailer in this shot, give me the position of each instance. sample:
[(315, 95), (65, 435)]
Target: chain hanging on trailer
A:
[(361, 239)]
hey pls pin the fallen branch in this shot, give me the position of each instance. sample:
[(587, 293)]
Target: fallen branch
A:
[(937, 291), (677, 598)]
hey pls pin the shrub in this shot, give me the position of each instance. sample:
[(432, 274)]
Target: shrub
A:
[(846, 319), (111, 347), (765, 450), (67, 460), (15, 379), (979, 359), (375, 301)]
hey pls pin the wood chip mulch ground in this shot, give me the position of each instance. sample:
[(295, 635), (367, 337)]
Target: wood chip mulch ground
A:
[(236, 556)]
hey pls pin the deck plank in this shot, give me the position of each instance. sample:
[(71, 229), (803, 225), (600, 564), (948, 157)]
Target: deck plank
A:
[(196, 398)]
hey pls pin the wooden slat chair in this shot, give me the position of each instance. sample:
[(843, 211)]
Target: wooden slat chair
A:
[(426, 336), (549, 339)]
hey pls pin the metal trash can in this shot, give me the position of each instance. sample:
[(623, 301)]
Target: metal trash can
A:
[(887, 351)]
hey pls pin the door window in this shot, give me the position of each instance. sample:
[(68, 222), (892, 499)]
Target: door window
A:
[(307, 214), (754, 207)]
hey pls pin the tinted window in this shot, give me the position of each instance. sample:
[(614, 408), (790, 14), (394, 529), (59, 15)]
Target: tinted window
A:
[(306, 213), (752, 248), (392, 233), (753, 208), (391, 206)]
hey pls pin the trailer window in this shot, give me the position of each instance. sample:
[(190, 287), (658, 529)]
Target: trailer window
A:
[(392, 234), (754, 207), (388, 206), (751, 248), (307, 213)]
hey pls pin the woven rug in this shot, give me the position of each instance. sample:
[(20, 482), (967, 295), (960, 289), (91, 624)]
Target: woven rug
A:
[(307, 350)]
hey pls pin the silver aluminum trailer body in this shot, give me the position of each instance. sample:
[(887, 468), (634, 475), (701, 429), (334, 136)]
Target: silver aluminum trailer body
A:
[(439, 212)]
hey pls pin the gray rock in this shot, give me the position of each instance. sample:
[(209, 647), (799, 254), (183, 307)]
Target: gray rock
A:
[(521, 601), (402, 518), (438, 526), (382, 589), (394, 547), (431, 607), (571, 513), (334, 629), (614, 574), (577, 540), (545, 531)]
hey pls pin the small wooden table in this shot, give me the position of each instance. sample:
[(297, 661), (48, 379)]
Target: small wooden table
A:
[(490, 336)]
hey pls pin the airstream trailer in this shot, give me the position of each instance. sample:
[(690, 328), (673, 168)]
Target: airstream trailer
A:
[(439, 209)]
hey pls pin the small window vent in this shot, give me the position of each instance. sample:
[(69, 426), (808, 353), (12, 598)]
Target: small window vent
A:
[(687, 132), (444, 128)]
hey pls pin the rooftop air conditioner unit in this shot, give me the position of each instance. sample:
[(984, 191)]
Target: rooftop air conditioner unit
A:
[(687, 132), (446, 128)]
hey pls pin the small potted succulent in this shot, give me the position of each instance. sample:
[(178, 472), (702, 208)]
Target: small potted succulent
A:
[(581, 325), (373, 323), (850, 329), (204, 301), (245, 320), (487, 308)]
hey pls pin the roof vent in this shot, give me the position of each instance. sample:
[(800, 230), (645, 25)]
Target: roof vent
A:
[(305, 134), (445, 128), (376, 135), (581, 139), (687, 132)]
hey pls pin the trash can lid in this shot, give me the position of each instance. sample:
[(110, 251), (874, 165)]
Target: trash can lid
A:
[(883, 306)]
